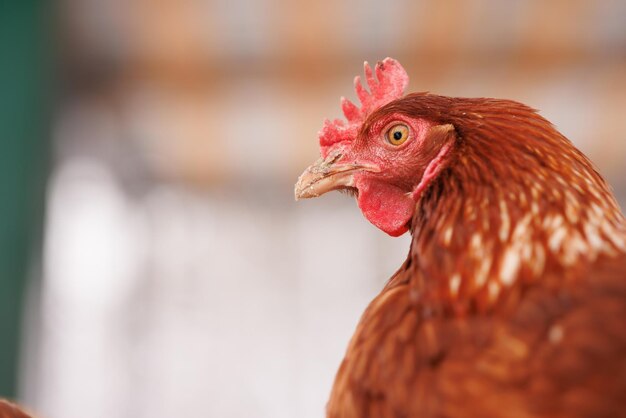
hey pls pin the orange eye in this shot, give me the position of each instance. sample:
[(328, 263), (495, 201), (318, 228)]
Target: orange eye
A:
[(397, 134)]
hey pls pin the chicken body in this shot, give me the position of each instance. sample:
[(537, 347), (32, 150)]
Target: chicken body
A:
[(512, 300), (9, 410), (551, 352)]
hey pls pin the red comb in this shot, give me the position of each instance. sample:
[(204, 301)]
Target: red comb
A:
[(388, 85)]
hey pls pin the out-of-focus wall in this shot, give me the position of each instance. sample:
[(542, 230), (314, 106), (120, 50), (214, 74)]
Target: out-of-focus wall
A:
[(180, 278)]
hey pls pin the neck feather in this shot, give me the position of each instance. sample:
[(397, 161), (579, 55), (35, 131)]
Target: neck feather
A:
[(518, 204)]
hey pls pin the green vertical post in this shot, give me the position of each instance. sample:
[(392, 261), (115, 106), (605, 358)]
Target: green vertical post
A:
[(23, 166)]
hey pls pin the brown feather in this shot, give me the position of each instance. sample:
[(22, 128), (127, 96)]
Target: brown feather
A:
[(9, 410), (512, 300)]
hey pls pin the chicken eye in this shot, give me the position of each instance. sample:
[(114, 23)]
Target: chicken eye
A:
[(397, 134)]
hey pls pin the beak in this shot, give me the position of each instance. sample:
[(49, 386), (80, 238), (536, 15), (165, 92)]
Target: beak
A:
[(326, 175)]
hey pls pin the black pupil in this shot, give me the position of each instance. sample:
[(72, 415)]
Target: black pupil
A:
[(397, 135)]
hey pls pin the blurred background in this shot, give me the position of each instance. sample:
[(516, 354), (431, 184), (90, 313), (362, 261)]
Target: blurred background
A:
[(153, 262)]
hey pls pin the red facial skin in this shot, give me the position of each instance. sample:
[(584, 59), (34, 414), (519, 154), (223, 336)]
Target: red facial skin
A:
[(388, 196), (355, 153)]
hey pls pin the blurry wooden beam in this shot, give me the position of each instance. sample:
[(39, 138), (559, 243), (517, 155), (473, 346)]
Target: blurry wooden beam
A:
[(555, 33), (189, 54), (169, 41)]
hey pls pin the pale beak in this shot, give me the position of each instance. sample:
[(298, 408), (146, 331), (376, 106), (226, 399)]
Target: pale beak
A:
[(327, 174)]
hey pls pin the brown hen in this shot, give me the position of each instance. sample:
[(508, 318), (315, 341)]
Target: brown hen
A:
[(512, 301), (9, 410)]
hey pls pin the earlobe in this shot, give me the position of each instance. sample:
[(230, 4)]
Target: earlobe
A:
[(438, 135), (441, 140)]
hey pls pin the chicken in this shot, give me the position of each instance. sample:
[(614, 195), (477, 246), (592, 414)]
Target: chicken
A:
[(9, 410), (512, 300)]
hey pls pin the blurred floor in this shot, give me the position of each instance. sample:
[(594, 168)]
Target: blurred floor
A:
[(180, 277)]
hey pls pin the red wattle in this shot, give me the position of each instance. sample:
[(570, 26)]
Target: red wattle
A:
[(386, 206)]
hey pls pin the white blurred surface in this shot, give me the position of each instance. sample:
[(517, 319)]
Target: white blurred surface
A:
[(177, 302)]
